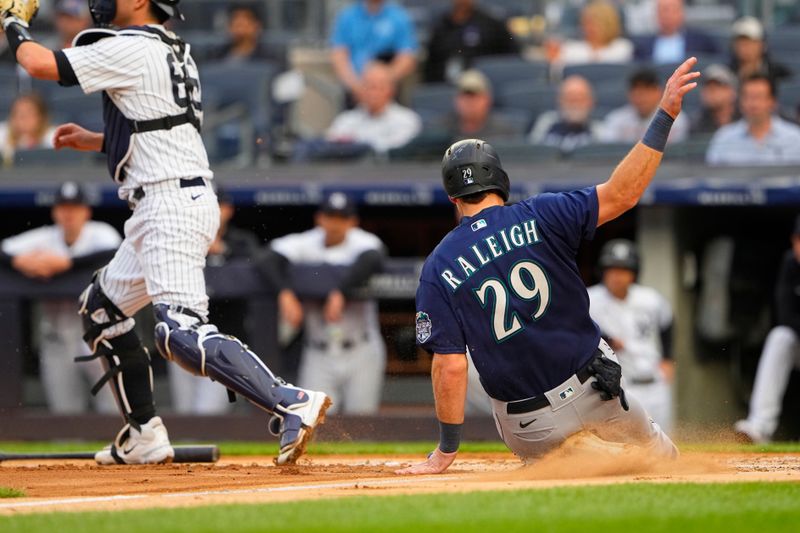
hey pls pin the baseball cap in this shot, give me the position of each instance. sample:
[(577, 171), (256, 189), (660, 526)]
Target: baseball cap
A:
[(473, 82), (749, 27), (338, 203), (73, 8), (70, 193), (720, 74)]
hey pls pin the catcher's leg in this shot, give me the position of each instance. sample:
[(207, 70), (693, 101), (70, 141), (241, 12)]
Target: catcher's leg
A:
[(187, 339), (110, 335)]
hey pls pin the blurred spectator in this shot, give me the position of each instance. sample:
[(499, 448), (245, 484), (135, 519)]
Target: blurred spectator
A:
[(75, 241), (245, 27), (630, 122), (603, 41), (195, 394), (750, 54), (718, 100), (571, 125), (760, 137), (674, 42), (344, 353), (72, 17), (462, 34), (780, 355), (371, 30), (28, 127), (378, 121), (472, 116)]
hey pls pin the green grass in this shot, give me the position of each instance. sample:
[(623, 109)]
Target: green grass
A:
[(8, 492), (232, 449), (728, 508)]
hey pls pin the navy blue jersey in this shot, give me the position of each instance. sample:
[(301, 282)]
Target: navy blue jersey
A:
[(505, 284)]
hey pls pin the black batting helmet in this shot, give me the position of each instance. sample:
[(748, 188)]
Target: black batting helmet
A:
[(471, 166), (619, 253)]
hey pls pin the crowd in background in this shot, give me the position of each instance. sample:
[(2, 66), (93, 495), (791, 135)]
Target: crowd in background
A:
[(407, 94)]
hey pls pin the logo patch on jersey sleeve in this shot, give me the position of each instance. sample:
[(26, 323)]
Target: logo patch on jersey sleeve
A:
[(423, 327), (478, 225)]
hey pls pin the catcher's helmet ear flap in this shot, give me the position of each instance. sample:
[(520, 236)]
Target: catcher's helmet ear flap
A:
[(619, 253), (170, 7), (471, 166)]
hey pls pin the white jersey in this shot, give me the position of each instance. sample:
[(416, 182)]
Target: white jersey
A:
[(308, 247), (146, 80), (94, 237), (637, 321)]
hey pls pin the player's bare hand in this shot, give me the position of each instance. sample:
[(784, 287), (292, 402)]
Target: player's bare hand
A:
[(334, 306), (437, 462), (290, 308), (680, 83), (78, 138)]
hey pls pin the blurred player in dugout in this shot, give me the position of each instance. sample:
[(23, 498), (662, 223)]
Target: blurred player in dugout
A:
[(343, 353), (74, 241), (780, 355), (637, 323)]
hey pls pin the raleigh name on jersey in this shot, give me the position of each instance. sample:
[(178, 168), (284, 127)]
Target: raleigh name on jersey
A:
[(144, 79), (504, 284)]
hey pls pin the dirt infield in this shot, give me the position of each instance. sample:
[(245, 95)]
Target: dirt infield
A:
[(82, 486)]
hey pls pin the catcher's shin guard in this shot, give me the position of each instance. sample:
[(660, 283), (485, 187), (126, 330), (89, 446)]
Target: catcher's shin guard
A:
[(184, 337), (110, 335)]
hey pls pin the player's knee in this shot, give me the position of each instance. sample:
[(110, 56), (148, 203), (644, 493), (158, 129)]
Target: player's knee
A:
[(181, 336), (783, 335), (102, 320)]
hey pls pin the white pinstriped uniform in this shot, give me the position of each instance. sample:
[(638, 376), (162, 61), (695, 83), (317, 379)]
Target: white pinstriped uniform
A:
[(166, 239), (60, 328), (347, 359)]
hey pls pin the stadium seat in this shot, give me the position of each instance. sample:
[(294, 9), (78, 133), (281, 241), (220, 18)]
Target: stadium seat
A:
[(503, 70), (601, 152), (784, 42), (533, 98), (692, 151), (524, 151), (789, 95), (433, 99), (597, 73), (610, 95), (72, 105), (9, 83)]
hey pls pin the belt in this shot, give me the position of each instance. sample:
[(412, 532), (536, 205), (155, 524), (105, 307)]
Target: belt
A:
[(138, 192), (535, 403), (346, 343)]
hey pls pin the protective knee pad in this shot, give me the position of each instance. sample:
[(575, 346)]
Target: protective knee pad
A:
[(109, 333), (184, 338), (102, 320)]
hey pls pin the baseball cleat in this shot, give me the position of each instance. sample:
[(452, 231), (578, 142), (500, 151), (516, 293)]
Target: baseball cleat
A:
[(295, 423), (147, 445), (747, 433)]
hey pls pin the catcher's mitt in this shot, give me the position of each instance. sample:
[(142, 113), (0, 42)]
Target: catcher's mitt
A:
[(19, 10)]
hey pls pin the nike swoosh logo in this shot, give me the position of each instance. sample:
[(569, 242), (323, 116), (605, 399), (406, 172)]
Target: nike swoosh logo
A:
[(129, 450), (198, 196), (526, 424)]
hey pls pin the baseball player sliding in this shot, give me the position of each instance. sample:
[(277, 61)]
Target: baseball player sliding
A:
[(152, 113), (504, 285)]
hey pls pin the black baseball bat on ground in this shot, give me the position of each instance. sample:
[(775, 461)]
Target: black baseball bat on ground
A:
[(183, 454)]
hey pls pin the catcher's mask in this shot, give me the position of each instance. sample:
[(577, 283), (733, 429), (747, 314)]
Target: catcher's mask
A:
[(105, 11)]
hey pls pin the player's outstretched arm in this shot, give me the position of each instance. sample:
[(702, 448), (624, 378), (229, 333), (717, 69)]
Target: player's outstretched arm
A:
[(630, 179), (77, 138), (38, 61), (449, 375)]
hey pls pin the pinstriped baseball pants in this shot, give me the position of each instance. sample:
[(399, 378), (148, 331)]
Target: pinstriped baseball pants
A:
[(164, 252)]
